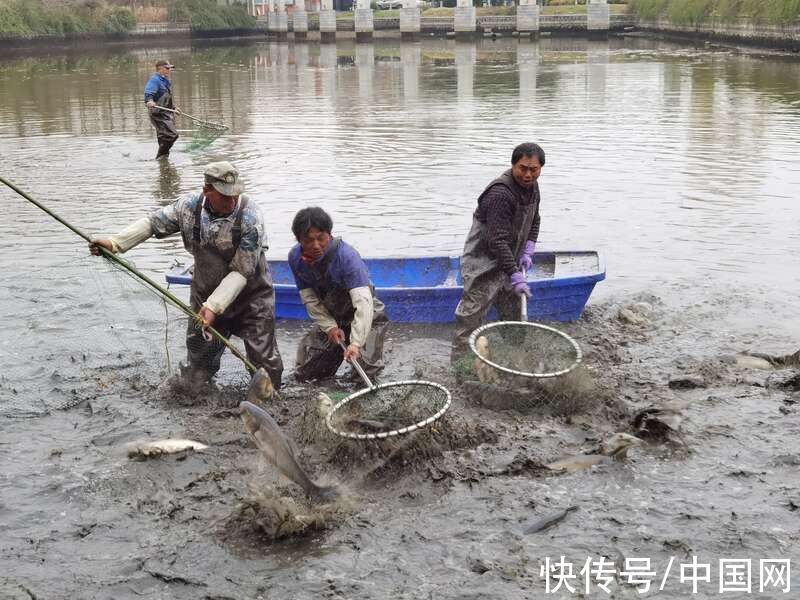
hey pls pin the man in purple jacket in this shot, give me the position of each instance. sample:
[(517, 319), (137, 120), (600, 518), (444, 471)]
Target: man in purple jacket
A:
[(500, 245), (335, 287)]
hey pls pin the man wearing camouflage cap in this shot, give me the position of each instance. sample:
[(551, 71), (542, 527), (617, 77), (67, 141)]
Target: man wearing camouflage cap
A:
[(157, 96), (232, 285)]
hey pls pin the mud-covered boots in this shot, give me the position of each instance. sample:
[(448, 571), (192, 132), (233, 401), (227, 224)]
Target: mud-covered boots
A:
[(163, 149)]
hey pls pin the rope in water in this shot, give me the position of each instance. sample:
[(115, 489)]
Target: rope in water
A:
[(141, 276)]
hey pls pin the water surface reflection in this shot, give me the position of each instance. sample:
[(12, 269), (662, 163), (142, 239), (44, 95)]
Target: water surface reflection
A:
[(671, 160)]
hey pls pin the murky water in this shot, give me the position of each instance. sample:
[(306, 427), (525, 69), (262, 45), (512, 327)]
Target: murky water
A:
[(678, 164)]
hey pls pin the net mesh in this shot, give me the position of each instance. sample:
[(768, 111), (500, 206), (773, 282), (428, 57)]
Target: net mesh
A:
[(203, 135), (87, 328), (528, 349), (389, 409), (542, 370)]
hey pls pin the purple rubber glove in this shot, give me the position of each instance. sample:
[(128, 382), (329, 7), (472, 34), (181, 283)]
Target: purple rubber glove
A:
[(526, 258), (519, 285)]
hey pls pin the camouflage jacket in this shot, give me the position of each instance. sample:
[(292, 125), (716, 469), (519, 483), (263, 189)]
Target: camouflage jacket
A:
[(215, 233)]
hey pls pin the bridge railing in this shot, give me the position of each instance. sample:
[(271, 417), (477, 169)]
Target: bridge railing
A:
[(483, 22), (437, 23), (497, 22)]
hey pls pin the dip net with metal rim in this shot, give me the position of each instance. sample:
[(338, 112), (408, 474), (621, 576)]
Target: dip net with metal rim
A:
[(388, 410), (523, 349)]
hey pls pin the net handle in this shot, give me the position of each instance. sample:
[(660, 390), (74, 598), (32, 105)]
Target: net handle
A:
[(358, 368), (523, 298), (203, 122)]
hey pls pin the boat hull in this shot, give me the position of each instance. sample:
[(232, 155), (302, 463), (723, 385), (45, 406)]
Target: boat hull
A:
[(427, 290)]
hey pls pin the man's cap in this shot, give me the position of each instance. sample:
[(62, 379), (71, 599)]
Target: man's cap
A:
[(224, 178), (164, 63)]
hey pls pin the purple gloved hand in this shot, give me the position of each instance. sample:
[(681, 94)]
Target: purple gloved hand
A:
[(519, 285), (526, 258)]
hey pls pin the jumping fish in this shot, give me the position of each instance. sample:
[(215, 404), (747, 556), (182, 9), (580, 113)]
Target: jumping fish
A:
[(325, 405), (616, 448), (549, 521), (146, 448), (274, 445), (485, 373)]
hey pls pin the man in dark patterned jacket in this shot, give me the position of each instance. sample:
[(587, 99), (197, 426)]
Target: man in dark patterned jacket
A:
[(500, 246)]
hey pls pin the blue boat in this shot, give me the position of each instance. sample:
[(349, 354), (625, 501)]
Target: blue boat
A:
[(427, 290)]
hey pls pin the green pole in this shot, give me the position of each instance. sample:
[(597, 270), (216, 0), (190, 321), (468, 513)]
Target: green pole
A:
[(129, 267)]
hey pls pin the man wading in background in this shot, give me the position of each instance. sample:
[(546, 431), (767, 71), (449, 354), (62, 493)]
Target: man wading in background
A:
[(158, 92), (500, 245), (335, 287), (232, 285)]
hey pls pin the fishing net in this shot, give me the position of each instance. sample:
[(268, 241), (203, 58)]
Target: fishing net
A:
[(82, 327), (202, 138), (88, 330), (529, 367), (523, 349), (388, 410)]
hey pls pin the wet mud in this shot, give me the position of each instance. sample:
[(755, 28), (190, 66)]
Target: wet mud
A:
[(192, 512)]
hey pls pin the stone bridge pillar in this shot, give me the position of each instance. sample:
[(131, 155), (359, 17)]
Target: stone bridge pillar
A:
[(300, 20), (271, 17), (409, 20), (528, 18), (327, 21), (363, 21), (281, 20), (464, 19), (598, 21)]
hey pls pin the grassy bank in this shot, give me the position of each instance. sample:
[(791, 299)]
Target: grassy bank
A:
[(687, 12), (207, 14), (30, 18)]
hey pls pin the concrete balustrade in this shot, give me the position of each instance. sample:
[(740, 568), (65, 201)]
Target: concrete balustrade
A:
[(464, 23)]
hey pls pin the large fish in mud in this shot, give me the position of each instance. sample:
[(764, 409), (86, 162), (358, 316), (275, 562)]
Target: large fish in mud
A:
[(486, 373), (549, 521), (616, 448), (275, 446), (146, 449), (760, 360)]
